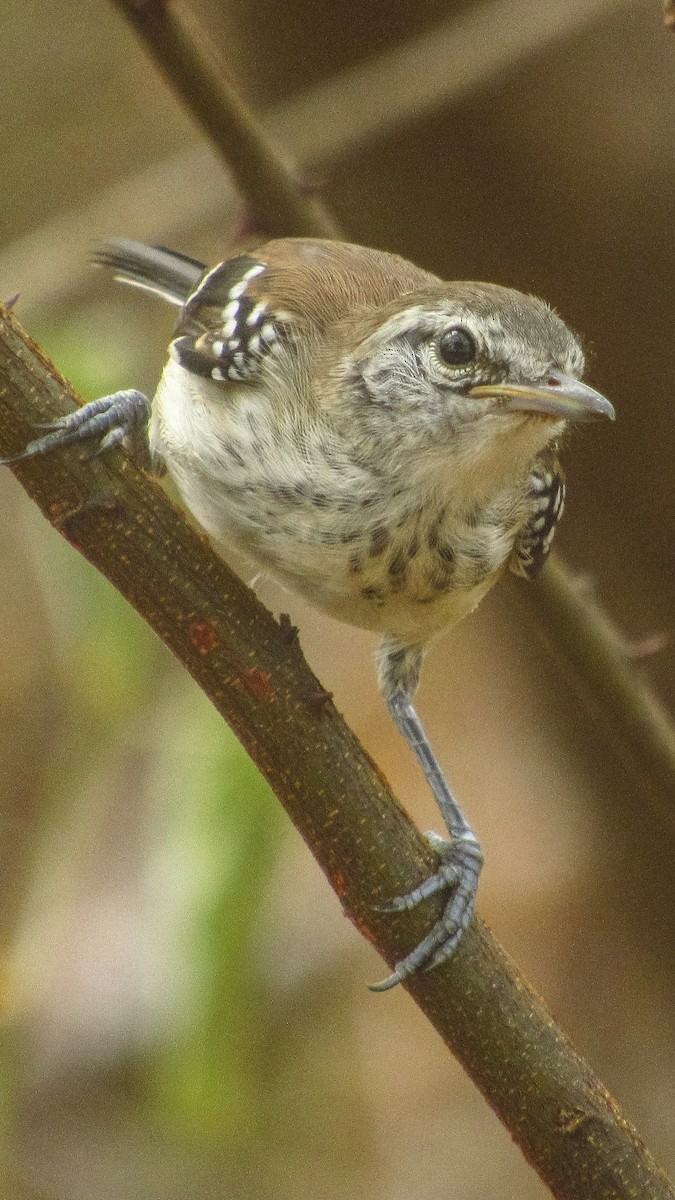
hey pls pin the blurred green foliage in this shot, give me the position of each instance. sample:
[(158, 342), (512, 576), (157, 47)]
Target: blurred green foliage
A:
[(214, 824), (224, 835)]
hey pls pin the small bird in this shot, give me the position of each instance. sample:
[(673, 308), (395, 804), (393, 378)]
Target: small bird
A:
[(384, 443)]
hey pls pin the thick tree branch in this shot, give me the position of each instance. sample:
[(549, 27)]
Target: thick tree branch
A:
[(252, 669)]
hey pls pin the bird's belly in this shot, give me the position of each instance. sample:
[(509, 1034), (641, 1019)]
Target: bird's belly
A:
[(401, 616), (362, 550), (327, 558), (410, 596)]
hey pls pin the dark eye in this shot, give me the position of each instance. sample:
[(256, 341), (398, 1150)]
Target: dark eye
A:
[(457, 347)]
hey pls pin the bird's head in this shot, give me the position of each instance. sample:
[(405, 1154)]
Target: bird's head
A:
[(470, 372)]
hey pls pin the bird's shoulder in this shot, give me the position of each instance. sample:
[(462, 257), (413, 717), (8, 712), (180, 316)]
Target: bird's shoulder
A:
[(255, 305)]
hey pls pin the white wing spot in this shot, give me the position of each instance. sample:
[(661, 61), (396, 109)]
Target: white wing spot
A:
[(238, 289), (256, 313)]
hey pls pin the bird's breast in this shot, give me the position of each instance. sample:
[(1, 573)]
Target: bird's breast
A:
[(372, 549)]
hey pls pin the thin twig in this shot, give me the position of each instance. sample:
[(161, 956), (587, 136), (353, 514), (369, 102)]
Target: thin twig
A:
[(279, 206), (325, 122), (580, 633), (251, 667)]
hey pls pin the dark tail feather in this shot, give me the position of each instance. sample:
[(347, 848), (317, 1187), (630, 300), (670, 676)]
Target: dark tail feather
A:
[(153, 268)]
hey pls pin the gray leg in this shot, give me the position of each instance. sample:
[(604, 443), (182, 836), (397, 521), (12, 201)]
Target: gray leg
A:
[(102, 423), (460, 860)]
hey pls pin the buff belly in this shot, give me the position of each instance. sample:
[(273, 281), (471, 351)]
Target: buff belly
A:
[(364, 554)]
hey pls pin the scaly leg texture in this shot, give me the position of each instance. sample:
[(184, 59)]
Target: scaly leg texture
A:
[(460, 860), (102, 423)]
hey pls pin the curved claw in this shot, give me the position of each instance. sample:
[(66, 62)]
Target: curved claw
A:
[(413, 961), (459, 869), (58, 422)]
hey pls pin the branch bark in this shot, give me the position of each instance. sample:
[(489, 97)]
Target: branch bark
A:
[(251, 667)]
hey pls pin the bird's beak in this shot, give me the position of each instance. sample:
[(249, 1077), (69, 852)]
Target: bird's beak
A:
[(560, 396)]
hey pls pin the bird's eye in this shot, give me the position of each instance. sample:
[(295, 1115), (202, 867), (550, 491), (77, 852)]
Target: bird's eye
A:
[(457, 347)]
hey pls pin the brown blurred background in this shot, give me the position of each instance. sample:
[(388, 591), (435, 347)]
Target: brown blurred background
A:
[(185, 1007)]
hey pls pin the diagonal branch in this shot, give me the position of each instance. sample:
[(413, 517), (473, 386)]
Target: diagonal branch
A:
[(583, 636), (277, 201), (323, 123), (251, 667)]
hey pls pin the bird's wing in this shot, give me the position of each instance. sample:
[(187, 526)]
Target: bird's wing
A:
[(546, 503)]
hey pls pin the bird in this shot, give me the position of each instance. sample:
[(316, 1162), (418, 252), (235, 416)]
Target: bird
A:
[(384, 443)]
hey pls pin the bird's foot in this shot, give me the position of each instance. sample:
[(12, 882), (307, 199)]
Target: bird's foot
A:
[(460, 863), (101, 425)]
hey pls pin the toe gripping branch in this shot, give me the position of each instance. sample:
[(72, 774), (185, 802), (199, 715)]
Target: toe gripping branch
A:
[(103, 424), (460, 860)]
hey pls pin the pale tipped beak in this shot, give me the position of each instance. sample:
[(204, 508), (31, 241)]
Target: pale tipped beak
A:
[(559, 396)]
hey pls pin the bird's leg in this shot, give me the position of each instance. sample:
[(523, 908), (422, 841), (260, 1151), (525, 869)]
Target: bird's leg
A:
[(460, 859), (102, 424)]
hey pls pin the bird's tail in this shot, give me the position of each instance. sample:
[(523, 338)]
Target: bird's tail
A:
[(153, 268)]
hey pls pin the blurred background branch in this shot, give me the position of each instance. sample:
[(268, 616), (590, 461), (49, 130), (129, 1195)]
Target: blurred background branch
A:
[(276, 200), (328, 119)]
